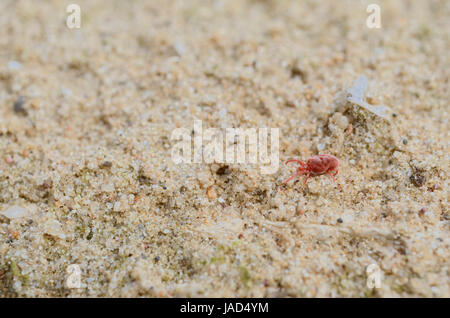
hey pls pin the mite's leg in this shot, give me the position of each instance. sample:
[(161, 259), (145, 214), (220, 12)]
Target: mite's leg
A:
[(307, 177), (299, 172), (332, 176), (301, 163), (291, 177)]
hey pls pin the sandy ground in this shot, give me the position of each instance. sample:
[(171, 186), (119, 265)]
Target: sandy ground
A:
[(87, 178)]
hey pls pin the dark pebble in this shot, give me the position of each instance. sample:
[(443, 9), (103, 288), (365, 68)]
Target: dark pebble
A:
[(297, 72), (107, 164), (157, 259), (19, 106), (405, 141), (340, 220), (418, 179), (223, 170)]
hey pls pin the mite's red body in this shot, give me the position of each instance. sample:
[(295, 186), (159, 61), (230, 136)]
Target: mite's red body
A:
[(316, 165)]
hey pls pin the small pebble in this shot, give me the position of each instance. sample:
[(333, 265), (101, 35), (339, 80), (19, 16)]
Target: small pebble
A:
[(107, 164), (116, 206), (53, 228), (108, 187), (223, 170), (297, 70), (179, 48), (15, 212), (340, 120), (417, 179), (211, 193), (340, 220), (19, 106), (349, 129), (14, 65), (66, 92)]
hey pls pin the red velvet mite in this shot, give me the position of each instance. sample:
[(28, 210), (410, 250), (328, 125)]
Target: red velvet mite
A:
[(316, 165)]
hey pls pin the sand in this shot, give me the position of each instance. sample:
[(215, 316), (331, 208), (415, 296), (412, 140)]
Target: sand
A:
[(87, 177)]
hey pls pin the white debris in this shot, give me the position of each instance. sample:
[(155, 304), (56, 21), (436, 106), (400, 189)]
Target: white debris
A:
[(15, 212), (355, 95)]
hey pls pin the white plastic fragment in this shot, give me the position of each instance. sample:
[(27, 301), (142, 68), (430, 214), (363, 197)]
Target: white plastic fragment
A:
[(15, 212), (355, 95)]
